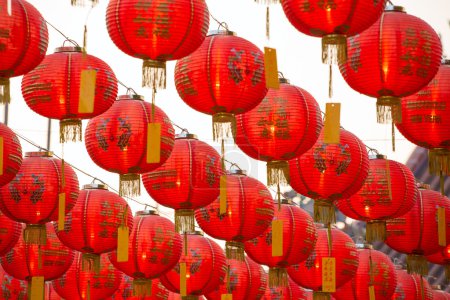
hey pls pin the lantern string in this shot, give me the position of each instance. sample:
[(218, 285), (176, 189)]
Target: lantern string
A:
[(232, 164), (65, 36), (129, 89), (221, 24)]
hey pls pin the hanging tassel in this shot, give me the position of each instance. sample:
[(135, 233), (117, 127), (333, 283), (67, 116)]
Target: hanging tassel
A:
[(85, 39), (154, 74), (334, 49), (35, 235), (439, 161), (142, 287), (228, 295), (267, 2), (5, 96), (389, 109), (90, 262), (393, 136), (36, 288), (235, 250), (278, 277), (184, 220), (324, 212), (130, 185), (70, 130), (376, 231), (321, 296), (278, 172), (81, 2), (416, 264), (88, 290), (330, 83), (268, 23), (224, 126)]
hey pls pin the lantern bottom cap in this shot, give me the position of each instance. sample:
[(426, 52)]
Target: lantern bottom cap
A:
[(278, 173), (389, 109)]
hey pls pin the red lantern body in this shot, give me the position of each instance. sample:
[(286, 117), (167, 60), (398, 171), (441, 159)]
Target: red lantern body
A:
[(188, 180), (283, 126), (12, 288), (12, 154), (23, 43), (117, 140), (79, 284), (441, 258), (329, 172), (125, 291), (308, 274), (70, 85), (249, 211), (205, 267), (290, 292), (9, 233), (409, 287), (439, 294), (50, 293)]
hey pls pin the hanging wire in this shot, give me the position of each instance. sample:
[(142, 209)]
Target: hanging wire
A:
[(232, 164), (129, 89), (220, 24), (65, 36)]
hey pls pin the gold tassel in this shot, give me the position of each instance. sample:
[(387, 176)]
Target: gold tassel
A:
[(376, 231), (184, 220), (35, 235), (324, 212), (224, 126), (185, 243), (278, 172), (70, 130), (142, 287), (278, 277), (81, 2), (439, 161), (393, 136), (268, 22), (90, 262), (235, 250), (154, 74), (267, 2), (321, 296), (416, 264), (85, 39), (130, 185), (5, 96), (389, 109), (88, 290), (334, 49)]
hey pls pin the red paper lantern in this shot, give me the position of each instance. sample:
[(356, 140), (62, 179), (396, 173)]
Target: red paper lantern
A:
[(329, 172), (91, 227), (188, 180), (410, 287), (298, 240), (32, 197), (23, 43), (205, 267), (330, 244), (9, 233), (125, 140), (176, 296), (223, 77), (416, 233), (290, 292), (249, 211), (157, 32), (333, 21), (12, 288), (70, 85), (388, 192), (441, 258), (11, 154), (284, 125), (50, 293), (87, 285), (153, 250), (125, 291), (439, 294), (395, 57)]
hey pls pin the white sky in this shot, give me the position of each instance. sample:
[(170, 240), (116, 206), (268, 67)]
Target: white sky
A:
[(299, 58)]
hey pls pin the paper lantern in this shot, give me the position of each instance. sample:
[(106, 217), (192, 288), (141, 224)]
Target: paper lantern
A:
[(125, 291), (388, 192), (175, 296), (92, 226), (12, 288), (439, 294), (9, 233), (69, 86), (188, 180), (50, 293), (295, 238), (157, 32), (223, 77), (24, 42), (153, 250), (77, 284), (395, 57), (329, 172), (201, 268), (290, 292), (82, 2), (417, 232), (248, 213), (333, 21), (11, 154), (33, 196), (133, 137), (283, 126), (441, 258), (411, 287)]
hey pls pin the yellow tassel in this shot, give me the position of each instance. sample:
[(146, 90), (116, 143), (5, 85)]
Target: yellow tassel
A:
[(63, 177), (35, 234), (81, 2), (328, 275), (90, 262), (332, 126), (235, 250), (154, 74), (268, 23), (278, 172), (85, 40), (122, 243), (142, 287), (185, 243), (321, 296), (153, 143), (271, 67), (88, 290), (87, 91), (334, 49), (224, 126), (184, 220), (389, 109), (183, 279), (267, 2), (130, 185), (37, 288), (376, 231), (70, 130), (5, 96), (278, 277), (442, 226), (61, 211), (1, 155), (223, 195), (324, 212), (439, 160), (277, 238), (416, 264)]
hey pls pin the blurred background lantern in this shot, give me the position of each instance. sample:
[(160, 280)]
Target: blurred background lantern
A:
[(411, 287), (153, 250), (439, 294), (34, 195), (188, 180), (24, 43), (157, 32), (125, 291), (78, 284), (131, 138), (70, 85), (329, 172), (223, 77), (10, 232), (249, 209), (50, 293), (290, 244), (12, 288), (283, 126), (388, 192), (11, 154), (291, 291), (441, 258)]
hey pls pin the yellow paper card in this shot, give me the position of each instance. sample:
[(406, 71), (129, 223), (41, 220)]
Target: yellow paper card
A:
[(329, 274), (153, 143), (277, 238), (442, 227), (87, 91), (226, 297), (331, 131), (271, 68), (37, 288), (123, 234), (372, 292), (183, 286), (223, 195)]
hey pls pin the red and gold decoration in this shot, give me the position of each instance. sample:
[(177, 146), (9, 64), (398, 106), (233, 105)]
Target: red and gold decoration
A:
[(23, 42), (156, 32), (10, 154), (329, 172), (388, 192), (289, 240), (223, 77), (249, 210), (188, 180), (411, 287), (441, 258), (12, 288), (283, 126), (10, 232), (79, 284), (70, 85), (131, 138), (292, 291), (125, 291), (154, 248), (44, 190)]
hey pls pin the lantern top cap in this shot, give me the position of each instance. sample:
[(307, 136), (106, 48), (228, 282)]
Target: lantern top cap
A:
[(436, 287), (39, 154), (130, 97), (68, 49), (378, 156), (186, 135), (238, 172), (395, 8), (284, 80), (423, 186), (147, 213), (197, 232), (364, 246), (221, 32), (95, 186)]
